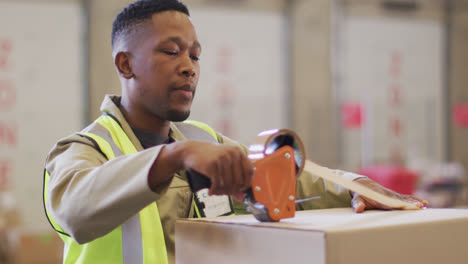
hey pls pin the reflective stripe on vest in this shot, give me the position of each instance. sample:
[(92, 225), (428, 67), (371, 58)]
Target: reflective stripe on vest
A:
[(187, 129), (194, 134), (140, 239)]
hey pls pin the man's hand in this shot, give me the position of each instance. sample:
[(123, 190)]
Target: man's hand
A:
[(227, 167), (361, 203)]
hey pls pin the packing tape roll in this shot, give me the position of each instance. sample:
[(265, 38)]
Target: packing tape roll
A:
[(268, 141)]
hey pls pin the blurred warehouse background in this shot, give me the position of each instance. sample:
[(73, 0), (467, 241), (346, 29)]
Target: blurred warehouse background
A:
[(377, 87)]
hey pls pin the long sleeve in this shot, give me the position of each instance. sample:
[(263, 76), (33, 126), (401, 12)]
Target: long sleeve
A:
[(331, 194), (89, 196)]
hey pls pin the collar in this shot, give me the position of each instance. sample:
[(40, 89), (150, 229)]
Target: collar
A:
[(111, 104)]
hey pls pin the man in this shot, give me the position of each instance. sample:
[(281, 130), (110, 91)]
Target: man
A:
[(100, 185)]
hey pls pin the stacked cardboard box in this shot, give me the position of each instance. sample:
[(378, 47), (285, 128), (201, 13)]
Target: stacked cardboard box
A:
[(39, 248)]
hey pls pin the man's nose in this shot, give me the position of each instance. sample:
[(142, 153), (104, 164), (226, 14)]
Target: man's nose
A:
[(187, 67)]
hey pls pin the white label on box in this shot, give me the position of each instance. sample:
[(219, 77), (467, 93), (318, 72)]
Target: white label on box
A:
[(215, 205)]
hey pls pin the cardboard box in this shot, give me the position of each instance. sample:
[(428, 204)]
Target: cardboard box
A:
[(331, 236), (40, 248)]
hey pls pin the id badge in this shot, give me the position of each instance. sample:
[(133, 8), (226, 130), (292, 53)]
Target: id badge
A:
[(212, 205)]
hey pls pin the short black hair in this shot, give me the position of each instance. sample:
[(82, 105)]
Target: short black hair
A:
[(140, 11)]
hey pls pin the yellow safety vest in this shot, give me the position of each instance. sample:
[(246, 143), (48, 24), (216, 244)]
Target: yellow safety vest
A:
[(139, 240)]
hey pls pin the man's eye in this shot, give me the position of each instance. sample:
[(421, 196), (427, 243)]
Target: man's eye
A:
[(171, 53), (195, 58)]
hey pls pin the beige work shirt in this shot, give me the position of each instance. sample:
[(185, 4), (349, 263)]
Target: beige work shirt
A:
[(89, 195)]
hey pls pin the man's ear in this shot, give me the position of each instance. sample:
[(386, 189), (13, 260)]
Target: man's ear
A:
[(123, 63)]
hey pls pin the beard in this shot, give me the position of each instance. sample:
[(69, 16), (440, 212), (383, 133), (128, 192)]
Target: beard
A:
[(177, 116)]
